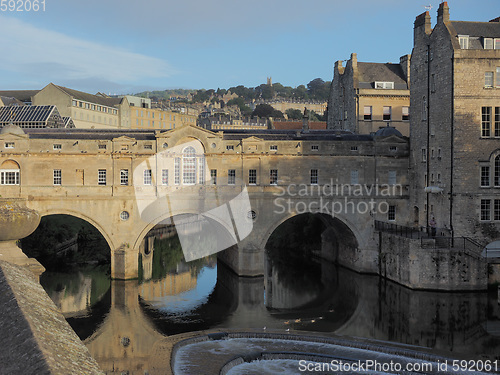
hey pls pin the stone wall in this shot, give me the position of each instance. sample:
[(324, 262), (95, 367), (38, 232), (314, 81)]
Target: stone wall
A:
[(34, 336), (404, 261)]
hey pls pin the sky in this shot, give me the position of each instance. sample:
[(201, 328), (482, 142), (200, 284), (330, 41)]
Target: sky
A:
[(125, 47)]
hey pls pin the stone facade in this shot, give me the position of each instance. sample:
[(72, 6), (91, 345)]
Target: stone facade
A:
[(454, 173), (367, 96), (81, 172)]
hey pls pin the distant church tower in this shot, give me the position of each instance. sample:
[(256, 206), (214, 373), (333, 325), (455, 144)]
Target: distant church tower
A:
[(270, 81)]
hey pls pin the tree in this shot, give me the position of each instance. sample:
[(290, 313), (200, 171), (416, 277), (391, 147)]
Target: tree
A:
[(294, 114), (245, 110), (300, 93), (318, 89), (265, 110)]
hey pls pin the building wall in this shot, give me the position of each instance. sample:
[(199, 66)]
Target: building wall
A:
[(446, 141), (145, 118), (347, 102)]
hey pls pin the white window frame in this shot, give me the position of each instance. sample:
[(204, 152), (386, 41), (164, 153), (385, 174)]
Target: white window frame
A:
[(314, 147), (231, 177), (57, 146), (489, 79), (391, 213), (124, 177), (213, 176), (164, 177), (56, 177), (392, 178), (148, 177), (252, 176), (384, 85), (354, 177), (10, 176), (367, 113), (387, 111), (273, 148), (488, 43), (314, 177), (464, 41), (273, 177), (10, 145), (101, 177)]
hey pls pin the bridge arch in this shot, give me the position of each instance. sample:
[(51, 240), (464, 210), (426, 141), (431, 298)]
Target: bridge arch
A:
[(341, 223), (95, 224)]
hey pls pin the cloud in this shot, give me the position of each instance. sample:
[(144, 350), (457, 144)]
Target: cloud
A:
[(50, 55)]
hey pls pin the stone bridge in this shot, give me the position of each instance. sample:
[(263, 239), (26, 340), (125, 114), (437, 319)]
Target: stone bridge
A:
[(125, 184)]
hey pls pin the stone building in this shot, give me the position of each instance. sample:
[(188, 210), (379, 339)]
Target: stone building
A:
[(367, 96), (455, 126), (86, 110)]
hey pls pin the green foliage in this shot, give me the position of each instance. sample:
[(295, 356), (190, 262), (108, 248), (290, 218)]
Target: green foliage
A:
[(56, 229), (265, 110), (294, 114)]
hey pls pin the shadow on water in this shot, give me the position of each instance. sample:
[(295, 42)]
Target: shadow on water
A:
[(298, 292)]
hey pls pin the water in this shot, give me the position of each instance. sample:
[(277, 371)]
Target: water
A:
[(121, 321)]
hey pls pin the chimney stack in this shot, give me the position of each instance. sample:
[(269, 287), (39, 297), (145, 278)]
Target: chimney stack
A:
[(422, 25), (443, 12), (305, 121)]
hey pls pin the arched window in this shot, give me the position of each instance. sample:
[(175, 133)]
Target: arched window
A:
[(189, 166), (9, 173), (496, 175)]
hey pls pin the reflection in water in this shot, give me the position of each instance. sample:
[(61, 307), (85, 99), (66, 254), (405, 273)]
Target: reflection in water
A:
[(122, 328)]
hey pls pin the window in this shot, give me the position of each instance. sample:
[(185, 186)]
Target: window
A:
[(201, 171), (231, 177), (496, 43), (354, 177), (230, 147), (177, 171), (485, 209), (496, 209), (252, 176), (488, 43), (189, 166), (406, 114), (497, 122), (354, 148), (102, 146), (9, 177), (424, 108), (57, 146), (273, 147), (164, 176), (368, 113), (424, 155), (56, 174), (464, 41), (439, 153), (387, 113), (485, 176), (314, 147), (10, 144), (384, 85), (433, 83), (486, 121), (439, 177), (314, 176), (101, 177), (148, 146), (393, 148), (488, 79), (392, 178), (391, 213), (426, 183), (148, 177), (124, 177), (273, 177), (213, 176), (496, 177)]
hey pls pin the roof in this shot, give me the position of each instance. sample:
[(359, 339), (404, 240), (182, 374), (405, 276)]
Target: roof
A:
[(479, 29), (387, 132), (97, 134), (314, 125), (287, 135), (10, 101), (27, 113), (91, 98), (22, 95), (380, 72)]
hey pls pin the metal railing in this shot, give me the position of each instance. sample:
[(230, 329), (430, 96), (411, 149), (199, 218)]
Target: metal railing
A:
[(427, 241)]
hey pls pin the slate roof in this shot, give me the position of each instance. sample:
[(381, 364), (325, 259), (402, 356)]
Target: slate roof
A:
[(22, 95), (480, 29), (10, 101), (91, 98), (380, 72), (98, 134), (282, 125)]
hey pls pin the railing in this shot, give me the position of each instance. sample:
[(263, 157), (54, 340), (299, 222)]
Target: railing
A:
[(427, 241), (399, 230)]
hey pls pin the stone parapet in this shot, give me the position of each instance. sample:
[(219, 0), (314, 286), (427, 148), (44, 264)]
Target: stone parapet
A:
[(34, 336)]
